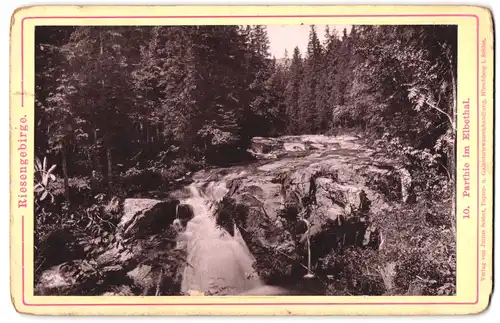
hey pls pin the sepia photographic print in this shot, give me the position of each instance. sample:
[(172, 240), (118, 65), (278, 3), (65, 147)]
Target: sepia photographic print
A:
[(246, 159), (205, 160)]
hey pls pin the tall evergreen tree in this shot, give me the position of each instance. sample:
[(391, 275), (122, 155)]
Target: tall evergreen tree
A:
[(308, 111), (201, 92), (292, 93)]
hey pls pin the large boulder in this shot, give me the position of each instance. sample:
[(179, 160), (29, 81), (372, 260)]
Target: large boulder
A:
[(329, 195), (57, 280), (57, 247), (294, 146), (139, 259), (147, 278), (79, 277), (120, 253), (146, 216), (264, 145), (258, 193)]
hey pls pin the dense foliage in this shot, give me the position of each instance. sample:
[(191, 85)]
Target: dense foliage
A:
[(113, 102)]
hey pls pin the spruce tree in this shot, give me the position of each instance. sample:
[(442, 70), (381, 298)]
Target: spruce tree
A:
[(292, 92)]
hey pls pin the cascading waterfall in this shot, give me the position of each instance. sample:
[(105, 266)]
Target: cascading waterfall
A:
[(217, 263), (308, 244)]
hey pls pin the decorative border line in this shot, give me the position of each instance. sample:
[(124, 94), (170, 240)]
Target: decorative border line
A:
[(476, 17)]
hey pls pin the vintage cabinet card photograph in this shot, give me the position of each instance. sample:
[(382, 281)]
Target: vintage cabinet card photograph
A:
[(251, 160)]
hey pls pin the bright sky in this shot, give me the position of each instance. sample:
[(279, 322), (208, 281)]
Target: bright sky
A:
[(283, 37)]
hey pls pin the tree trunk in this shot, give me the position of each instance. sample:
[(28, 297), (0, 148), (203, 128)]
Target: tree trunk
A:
[(452, 159), (142, 132), (64, 163), (453, 154), (110, 168), (95, 155)]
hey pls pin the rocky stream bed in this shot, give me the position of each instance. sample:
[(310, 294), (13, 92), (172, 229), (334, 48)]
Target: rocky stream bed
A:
[(303, 197)]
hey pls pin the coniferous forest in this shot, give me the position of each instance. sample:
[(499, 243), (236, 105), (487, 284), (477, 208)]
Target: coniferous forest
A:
[(134, 111)]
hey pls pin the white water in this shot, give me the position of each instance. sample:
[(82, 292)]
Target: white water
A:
[(217, 263)]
